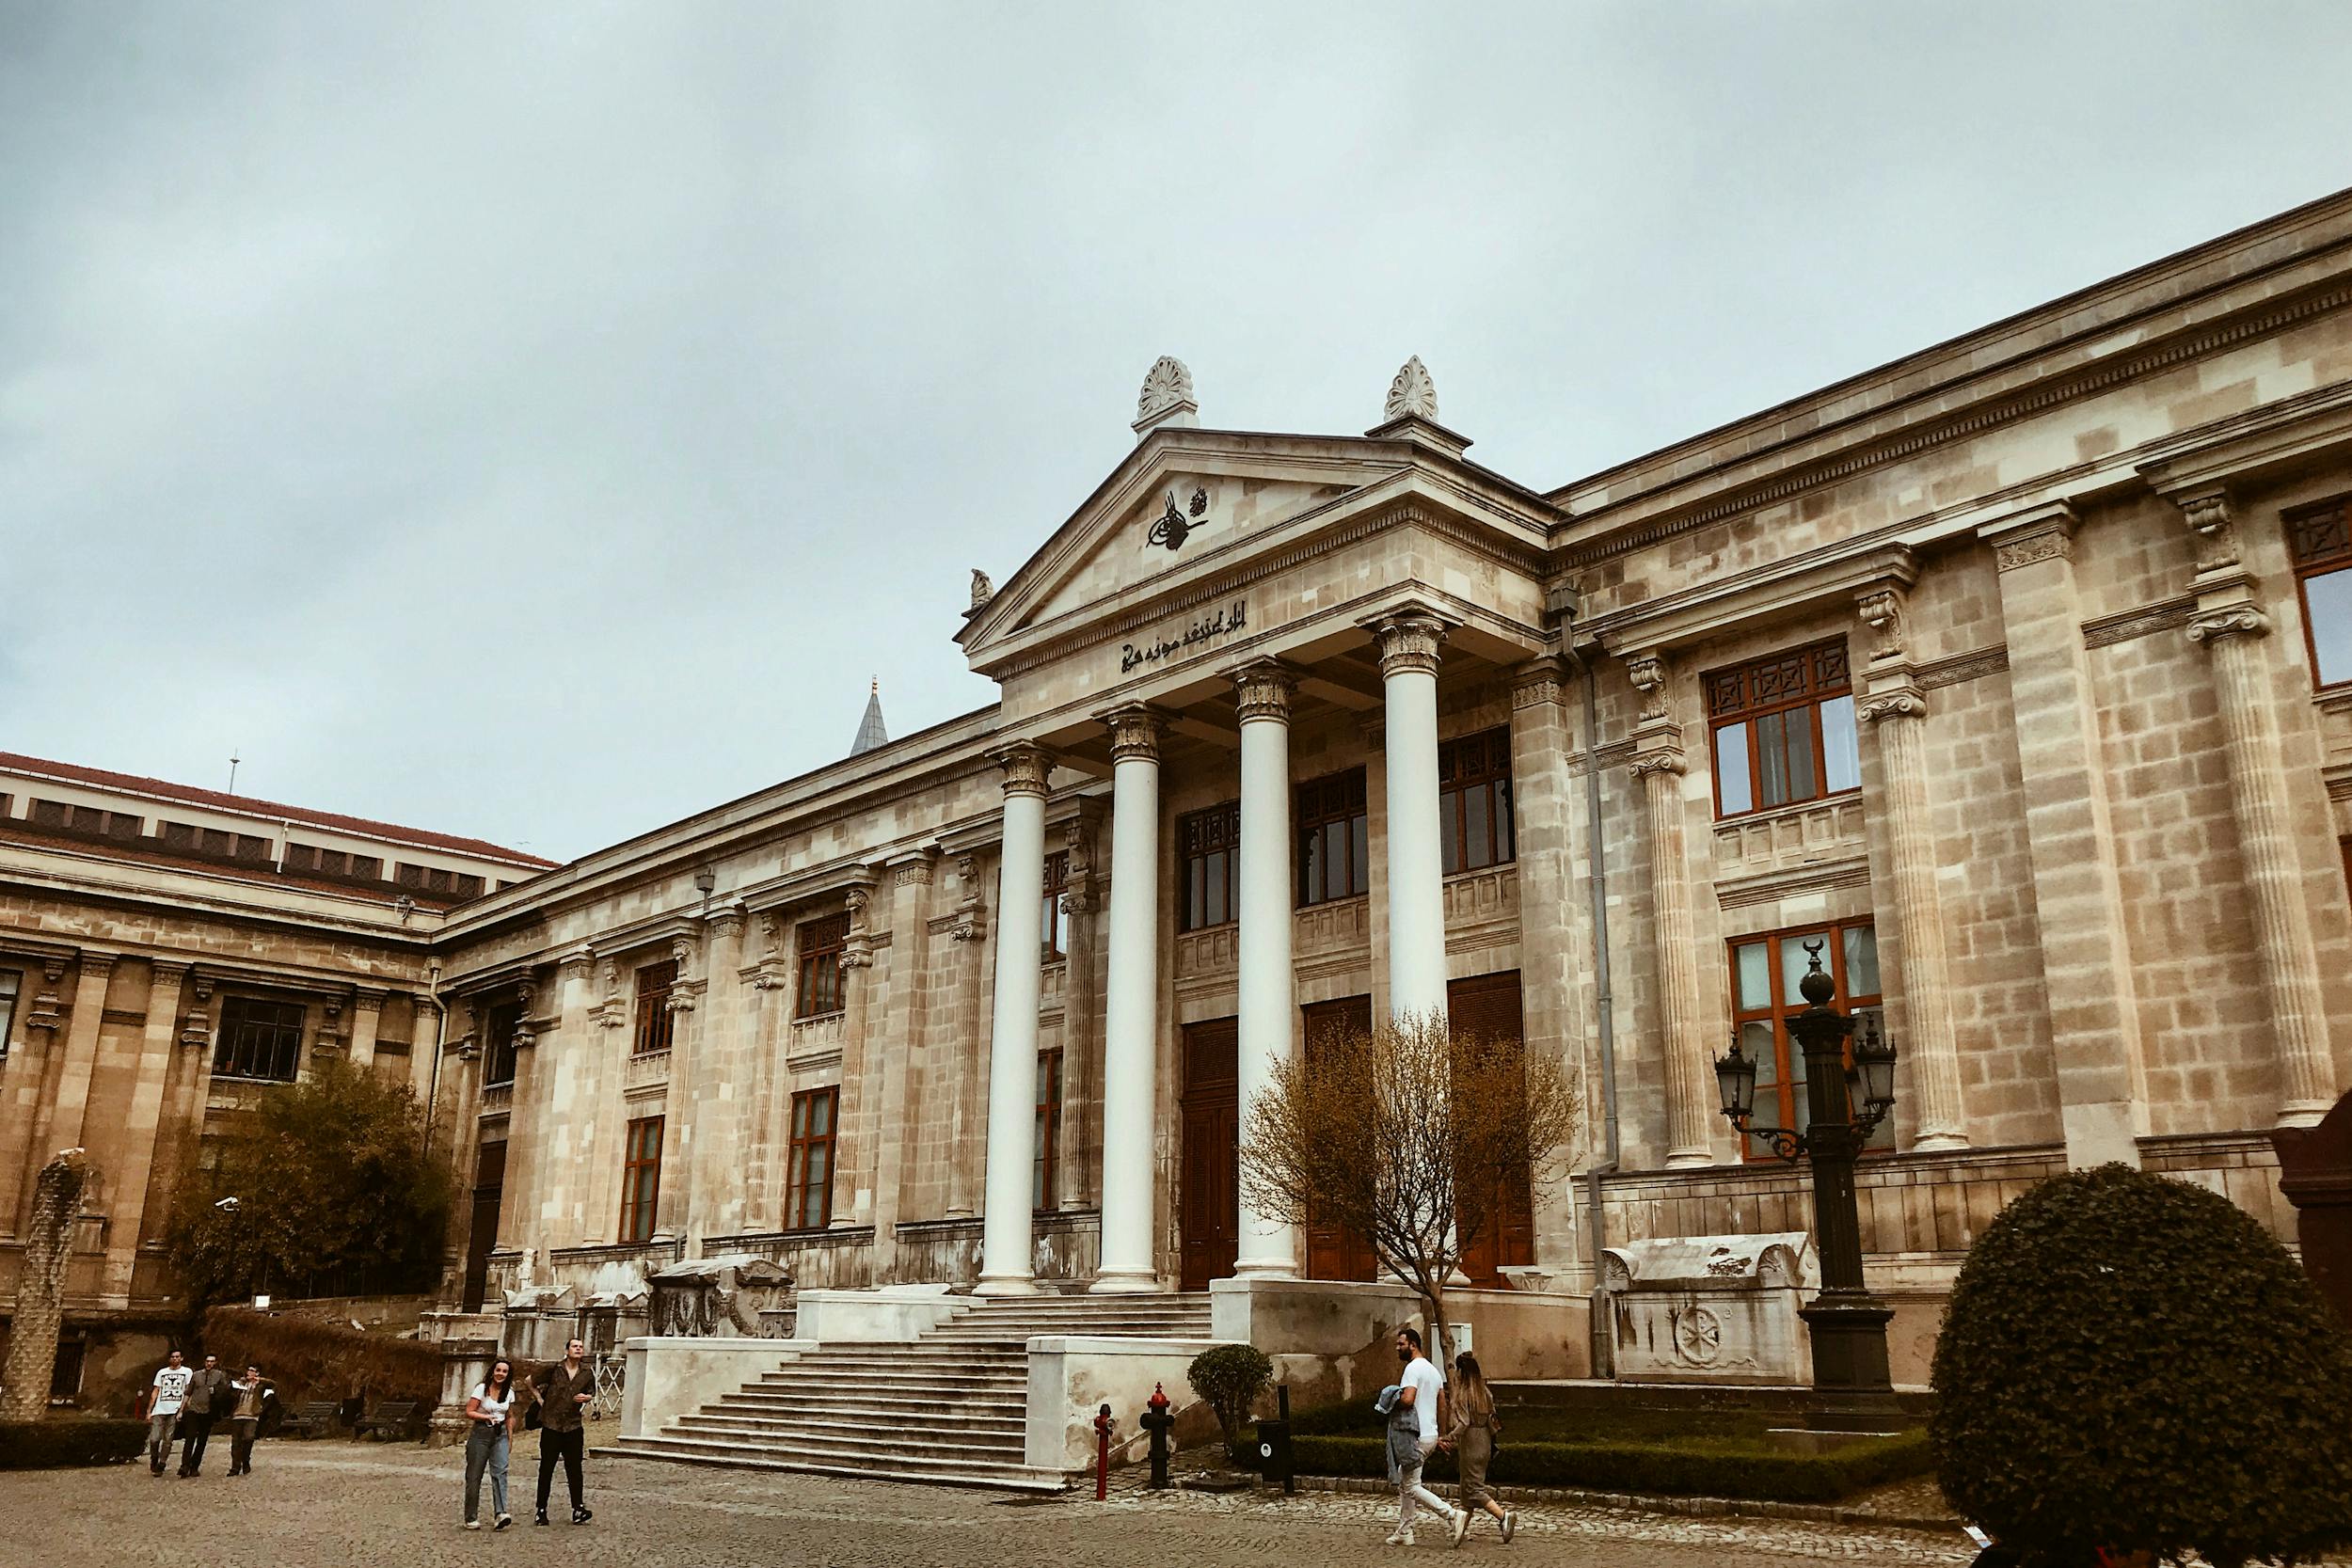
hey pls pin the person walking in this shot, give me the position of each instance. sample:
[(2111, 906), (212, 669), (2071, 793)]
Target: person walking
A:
[(564, 1391), (1471, 1430), (1413, 1437), (490, 1408), (164, 1399), (249, 1397), (207, 1398)]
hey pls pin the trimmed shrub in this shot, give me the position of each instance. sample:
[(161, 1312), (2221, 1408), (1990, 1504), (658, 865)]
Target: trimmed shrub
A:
[(309, 1358), (62, 1444), (2132, 1363), (1231, 1378), (1707, 1468)]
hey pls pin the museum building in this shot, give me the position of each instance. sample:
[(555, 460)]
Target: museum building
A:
[(2012, 679)]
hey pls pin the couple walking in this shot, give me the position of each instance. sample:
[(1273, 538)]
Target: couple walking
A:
[(557, 1399), (1423, 1417)]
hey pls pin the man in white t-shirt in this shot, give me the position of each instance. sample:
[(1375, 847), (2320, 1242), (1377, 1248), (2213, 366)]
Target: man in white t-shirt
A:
[(1420, 1386), (163, 1408)]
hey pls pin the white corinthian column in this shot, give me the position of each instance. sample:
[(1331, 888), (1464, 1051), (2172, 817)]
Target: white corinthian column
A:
[(1268, 1008), (1006, 1247), (1130, 1066), (1408, 641)]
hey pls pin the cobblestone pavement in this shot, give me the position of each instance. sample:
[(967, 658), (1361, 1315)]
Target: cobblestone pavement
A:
[(351, 1506)]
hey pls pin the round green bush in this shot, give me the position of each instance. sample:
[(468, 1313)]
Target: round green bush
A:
[(2131, 1362), (1230, 1378)]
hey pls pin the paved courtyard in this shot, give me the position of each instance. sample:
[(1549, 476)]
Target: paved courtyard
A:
[(352, 1506)]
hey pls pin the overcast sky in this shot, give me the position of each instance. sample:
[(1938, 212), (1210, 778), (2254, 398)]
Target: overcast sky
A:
[(539, 422)]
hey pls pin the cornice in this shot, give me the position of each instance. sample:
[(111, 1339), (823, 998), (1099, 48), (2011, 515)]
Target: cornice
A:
[(1831, 574)]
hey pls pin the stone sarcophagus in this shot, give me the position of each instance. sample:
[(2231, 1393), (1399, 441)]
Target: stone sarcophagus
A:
[(723, 1295), (1711, 1308)]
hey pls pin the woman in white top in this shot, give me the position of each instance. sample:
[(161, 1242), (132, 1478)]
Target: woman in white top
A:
[(490, 1409)]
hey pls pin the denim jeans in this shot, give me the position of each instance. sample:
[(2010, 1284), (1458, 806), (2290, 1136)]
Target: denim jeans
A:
[(486, 1450)]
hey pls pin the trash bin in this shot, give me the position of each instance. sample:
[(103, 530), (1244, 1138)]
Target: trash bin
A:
[(1274, 1453)]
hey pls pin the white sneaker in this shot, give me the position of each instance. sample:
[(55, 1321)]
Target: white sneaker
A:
[(1510, 1526), (473, 1523), (1460, 1525), (1399, 1538)]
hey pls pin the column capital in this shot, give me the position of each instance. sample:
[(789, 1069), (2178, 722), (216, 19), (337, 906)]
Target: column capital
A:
[(95, 966), (1667, 760), (174, 969), (1537, 683), (912, 871), (2236, 620), (1409, 639), (368, 999), (1026, 767), (1262, 689), (579, 963), (1136, 730), (1899, 702), (2038, 533)]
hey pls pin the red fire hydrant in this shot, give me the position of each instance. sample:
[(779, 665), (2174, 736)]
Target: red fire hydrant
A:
[(1103, 1424)]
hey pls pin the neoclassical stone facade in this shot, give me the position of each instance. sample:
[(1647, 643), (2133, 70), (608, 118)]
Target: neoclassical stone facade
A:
[(2012, 679)]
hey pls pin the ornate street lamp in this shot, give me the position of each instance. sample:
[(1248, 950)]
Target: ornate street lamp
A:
[(1851, 1388)]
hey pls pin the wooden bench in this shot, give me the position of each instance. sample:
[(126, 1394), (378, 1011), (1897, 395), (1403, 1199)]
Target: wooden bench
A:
[(316, 1418), (393, 1419)]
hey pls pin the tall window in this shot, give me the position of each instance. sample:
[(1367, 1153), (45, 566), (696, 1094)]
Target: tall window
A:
[(820, 943), (1210, 842), (640, 1178), (1783, 730), (1474, 801), (1044, 1166), (2322, 541), (808, 1188), (1334, 839), (258, 1039), (1053, 920), (499, 1027), (654, 1022), (9, 981), (1765, 972)]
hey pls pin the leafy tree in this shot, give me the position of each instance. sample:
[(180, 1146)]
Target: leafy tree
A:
[(1230, 1378), (2131, 1362), (1411, 1136), (329, 1175)]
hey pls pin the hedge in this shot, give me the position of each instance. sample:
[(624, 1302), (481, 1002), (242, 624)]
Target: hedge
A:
[(309, 1358), (1708, 1468), (60, 1444)]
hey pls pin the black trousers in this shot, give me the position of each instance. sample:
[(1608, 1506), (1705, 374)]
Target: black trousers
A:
[(568, 1447), (195, 1430)]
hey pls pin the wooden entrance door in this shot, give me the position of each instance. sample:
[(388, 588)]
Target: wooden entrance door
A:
[(1209, 1219), (1488, 1005), (1336, 1251), (489, 1186)]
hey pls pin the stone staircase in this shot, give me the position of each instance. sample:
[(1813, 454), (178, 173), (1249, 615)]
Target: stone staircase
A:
[(949, 1408)]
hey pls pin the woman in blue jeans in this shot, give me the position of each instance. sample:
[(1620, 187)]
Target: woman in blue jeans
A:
[(490, 1409)]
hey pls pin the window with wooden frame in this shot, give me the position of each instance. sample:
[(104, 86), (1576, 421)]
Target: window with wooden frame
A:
[(1210, 843), (655, 1021), (1783, 730), (1334, 830), (640, 1178), (1765, 972), (820, 943), (1043, 1168), (2320, 539), (1054, 920), (258, 1039), (499, 1025), (809, 1184), (11, 982), (1474, 824)]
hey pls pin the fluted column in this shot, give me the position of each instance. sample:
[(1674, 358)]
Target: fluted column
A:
[(1267, 986), (962, 1051), (1410, 641), (2231, 626), (1007, 1248), (1896, 709), (1682, 1033), (1131, 1032)]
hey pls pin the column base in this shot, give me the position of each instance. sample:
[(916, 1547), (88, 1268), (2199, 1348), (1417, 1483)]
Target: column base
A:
[(1006, 1285), (1689, 1158), (1131, 1282), (1930, 1143), (1267, 1268), (2303, 1113)]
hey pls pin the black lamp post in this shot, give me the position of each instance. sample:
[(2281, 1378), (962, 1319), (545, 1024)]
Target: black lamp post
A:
[(1851, 1389)]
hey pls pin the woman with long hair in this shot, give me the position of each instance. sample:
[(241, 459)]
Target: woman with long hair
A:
[(1471, 1434), (490, 1413)]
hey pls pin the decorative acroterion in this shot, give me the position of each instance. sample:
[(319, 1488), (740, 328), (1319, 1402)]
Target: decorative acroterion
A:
[(1166, 397), (1412, 395)]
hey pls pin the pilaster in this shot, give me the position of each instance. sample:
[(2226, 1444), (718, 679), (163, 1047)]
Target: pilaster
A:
[(128, 1198), (966, 1048), (1683, 1033), (905, 1030), (367, 1019), (864, 1068), (1552, 923)]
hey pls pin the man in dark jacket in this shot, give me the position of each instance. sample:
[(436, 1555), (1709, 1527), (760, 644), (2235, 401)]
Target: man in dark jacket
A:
[(206, 1402), (565, 1390)]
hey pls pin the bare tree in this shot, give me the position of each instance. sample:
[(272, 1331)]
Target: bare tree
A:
[(1411, 1138)]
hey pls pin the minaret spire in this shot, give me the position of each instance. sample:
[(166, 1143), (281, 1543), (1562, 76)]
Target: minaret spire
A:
[(870, 732)]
